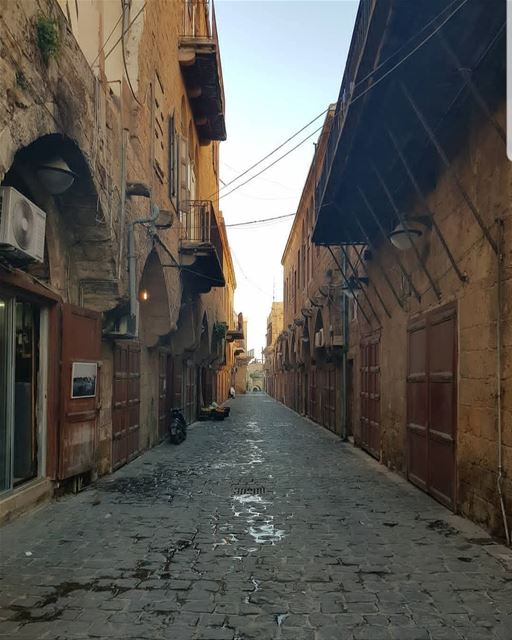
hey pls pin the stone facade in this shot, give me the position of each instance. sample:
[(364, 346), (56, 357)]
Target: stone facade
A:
[(138, 240), (308, 353), (274, 329), (430, 333)]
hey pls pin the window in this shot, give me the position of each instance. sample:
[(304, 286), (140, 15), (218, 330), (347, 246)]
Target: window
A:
[(158, 129), (299, 276), (173, 160)]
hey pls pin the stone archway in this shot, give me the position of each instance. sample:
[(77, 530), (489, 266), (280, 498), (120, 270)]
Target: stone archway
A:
[(318, 350), (154, 314), (80, 258)]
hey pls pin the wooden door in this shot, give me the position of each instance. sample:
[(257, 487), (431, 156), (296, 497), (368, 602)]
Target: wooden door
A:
[(329, 404), (163, 394), (431, 403), (370, 395), (125, 403), (80, 390)]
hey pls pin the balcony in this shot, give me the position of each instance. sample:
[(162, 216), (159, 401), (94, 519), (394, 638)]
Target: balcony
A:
[(237, 333), (202, 72), (200, 247)]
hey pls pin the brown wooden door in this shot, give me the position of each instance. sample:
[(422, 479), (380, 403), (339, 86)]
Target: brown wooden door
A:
[(190, 375), (370, 395), (125, 403), (80, 389), (431, 403), (329, 403), (163, 393), (313, 400)]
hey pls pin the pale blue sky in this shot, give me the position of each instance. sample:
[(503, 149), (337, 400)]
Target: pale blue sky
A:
[(282, 63)]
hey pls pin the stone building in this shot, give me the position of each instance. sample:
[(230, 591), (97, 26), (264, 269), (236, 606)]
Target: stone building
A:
[(255, 377), (116, 281), (274, 329), (308, 355), (416, 191)]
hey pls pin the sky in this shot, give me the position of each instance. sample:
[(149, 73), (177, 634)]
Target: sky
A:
[(282, 64)]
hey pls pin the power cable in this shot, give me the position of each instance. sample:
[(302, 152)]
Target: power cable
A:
[(251, 222), (245, 277), (272, 163), (106, 41), (215, 193), (360, 95), (126, 31), (123, 49)]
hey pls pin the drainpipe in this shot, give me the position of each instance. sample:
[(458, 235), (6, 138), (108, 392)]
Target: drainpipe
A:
[(344, 391), (132, 266), (499, 377)]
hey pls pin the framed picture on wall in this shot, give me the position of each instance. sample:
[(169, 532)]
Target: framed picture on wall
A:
[(83, 379)]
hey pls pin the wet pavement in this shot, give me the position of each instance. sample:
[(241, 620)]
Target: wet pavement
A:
[(260, 527)]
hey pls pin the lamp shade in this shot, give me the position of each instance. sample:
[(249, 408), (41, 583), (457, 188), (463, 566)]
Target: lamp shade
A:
[(402, 235), (55, 175)]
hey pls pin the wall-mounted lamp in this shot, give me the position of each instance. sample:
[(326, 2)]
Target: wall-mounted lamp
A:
[(55, 175), (144, 295), (413, 228), (354, 286)]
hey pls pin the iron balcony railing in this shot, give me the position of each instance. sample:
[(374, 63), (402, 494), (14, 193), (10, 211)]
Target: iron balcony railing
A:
[(199, 227), (364, 14), (196, 220)]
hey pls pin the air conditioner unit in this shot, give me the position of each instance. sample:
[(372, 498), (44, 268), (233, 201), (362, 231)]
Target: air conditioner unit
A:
[(319, 339), (22, 225)]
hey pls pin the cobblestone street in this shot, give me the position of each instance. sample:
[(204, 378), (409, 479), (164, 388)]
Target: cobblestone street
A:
[(327, 545)]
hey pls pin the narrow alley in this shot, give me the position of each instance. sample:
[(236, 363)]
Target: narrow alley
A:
[(262, 526)]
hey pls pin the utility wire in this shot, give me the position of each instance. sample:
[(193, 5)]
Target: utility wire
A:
[(125, 31), (250, 222), (360, 95), (241, 175), (224, 195), (123, 49), (106, 41)]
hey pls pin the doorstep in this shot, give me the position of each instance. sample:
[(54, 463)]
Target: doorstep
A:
[(28, 496)]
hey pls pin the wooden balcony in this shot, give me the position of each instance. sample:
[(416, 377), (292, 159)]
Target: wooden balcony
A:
[(200, 247), (202, 72)]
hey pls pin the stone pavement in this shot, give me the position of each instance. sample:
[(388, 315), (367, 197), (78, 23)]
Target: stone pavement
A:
[(260, 527)]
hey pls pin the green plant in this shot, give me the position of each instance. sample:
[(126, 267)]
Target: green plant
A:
[(48, 38), (219, 330)]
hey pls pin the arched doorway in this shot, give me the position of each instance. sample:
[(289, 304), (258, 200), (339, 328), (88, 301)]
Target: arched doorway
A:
[(154, 313)]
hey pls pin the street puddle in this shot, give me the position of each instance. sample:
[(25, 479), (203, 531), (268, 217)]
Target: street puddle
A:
[(280, 618), (267, 532)]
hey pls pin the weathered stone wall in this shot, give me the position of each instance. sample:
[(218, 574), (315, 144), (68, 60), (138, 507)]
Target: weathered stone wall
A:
[(312, 282), (94, 112), (485, 172)]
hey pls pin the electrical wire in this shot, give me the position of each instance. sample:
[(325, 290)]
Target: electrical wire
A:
[(126, 31), (123, 49), (106, 41), (360, 95), (246, 278), (271, 164), (215, 193), (251, 222)]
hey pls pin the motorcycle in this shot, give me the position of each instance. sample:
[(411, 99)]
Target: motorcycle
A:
[(177, 427)]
